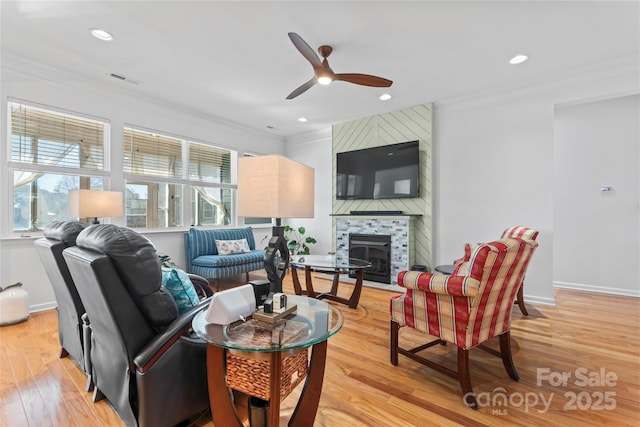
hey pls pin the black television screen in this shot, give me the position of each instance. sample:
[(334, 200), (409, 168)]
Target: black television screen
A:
[(385, 172)]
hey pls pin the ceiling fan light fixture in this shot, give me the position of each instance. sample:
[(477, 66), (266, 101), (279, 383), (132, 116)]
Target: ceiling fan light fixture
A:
[(303, 119), (324, 80), (385, 97)]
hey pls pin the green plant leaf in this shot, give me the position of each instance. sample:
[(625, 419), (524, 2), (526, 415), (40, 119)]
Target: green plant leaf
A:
[(301, 230)]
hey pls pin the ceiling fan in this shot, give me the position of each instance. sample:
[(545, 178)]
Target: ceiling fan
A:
[(324, 74)]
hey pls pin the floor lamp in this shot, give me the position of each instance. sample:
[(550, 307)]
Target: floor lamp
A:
[(95, 204), (276, 187)]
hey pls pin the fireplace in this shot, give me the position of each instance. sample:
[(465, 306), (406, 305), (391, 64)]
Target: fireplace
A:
[(376, 249)]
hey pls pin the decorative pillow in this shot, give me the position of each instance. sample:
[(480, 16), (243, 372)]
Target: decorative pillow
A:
[(229, 247), (178, 284)]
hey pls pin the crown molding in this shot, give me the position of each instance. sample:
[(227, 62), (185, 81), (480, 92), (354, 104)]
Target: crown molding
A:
[(621, 68), (315, 136)]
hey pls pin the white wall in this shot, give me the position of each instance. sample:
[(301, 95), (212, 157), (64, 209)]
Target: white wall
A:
[(315, 150), (494, 171), (597, 235), (28, 82)]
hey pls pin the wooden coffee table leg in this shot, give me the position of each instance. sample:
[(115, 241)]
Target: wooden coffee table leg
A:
[(307, 278), (305, 413), (222, 409), (334, 284), (357, 289), (296, 282)]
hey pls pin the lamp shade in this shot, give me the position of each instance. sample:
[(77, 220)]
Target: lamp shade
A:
[(275, 186), (95, 204)]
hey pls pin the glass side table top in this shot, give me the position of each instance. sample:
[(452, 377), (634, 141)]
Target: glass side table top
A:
[(314, 321), (328, 262)]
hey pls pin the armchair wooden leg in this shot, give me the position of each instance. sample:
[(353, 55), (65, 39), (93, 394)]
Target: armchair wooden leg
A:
[(507, 360), (394, 342), (465, 379), (520, 301), (63, 353)]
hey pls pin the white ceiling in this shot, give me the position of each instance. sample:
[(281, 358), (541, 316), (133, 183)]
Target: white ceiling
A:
[(234, 60)]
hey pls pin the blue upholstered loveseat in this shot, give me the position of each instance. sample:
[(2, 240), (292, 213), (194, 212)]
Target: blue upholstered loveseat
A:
[(203, 259)]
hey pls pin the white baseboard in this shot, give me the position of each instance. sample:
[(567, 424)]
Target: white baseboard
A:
[(530, 299), (600, 289), (42, 307)]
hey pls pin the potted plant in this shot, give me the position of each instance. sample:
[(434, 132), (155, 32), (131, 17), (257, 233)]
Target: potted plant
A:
[(296, 242)]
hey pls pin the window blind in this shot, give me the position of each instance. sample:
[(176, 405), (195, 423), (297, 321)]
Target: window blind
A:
[(151, 154), (209, 164), (55, 139)]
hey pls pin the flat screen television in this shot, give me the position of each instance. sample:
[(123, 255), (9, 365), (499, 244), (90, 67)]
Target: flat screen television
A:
[(385, 172)]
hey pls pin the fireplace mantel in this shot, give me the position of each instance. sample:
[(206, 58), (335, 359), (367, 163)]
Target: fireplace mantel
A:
[(377, 216)]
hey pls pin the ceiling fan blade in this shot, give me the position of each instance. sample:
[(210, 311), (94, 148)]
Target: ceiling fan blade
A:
[(363, 79), (302, 89), (305, 50)]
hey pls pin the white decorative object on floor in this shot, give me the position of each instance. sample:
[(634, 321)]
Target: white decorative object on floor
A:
[(14, 304)]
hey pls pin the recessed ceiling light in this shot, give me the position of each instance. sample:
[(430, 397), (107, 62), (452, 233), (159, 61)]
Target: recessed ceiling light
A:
[(303, 119), (518, 59), (101, 34), (385, 97)]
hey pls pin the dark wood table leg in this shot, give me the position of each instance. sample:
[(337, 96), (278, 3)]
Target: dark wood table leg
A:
[(357, 289), (308, 281), (296, 281), (222, 409), (273, 414), (334, 284), (354, 299), (305, 413)]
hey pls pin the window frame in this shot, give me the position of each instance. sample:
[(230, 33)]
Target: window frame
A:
[(184, 180), (83, 174)]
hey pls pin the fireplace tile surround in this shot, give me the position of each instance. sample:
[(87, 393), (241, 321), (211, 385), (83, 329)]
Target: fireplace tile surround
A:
[(399, 227)]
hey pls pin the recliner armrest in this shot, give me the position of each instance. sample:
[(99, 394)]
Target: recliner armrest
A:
[(163, 341), (195, 279), (442, 284)]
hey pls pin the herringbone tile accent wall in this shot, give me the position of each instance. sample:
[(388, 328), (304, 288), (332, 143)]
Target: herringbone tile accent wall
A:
[(408, 124)]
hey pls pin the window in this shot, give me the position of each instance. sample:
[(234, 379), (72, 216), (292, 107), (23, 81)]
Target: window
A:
[(52, 153), (157, 167)]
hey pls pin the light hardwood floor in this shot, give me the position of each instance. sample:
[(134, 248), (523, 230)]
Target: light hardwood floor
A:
[(586, 333)]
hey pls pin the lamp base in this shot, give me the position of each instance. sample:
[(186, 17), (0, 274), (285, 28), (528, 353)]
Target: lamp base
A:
[(276, 258)]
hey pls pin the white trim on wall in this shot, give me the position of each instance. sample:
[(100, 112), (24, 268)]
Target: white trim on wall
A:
[(600, 289)]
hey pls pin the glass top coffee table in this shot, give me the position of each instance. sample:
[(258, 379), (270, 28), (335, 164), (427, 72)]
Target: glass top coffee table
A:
[(312, 324), (333, 265)]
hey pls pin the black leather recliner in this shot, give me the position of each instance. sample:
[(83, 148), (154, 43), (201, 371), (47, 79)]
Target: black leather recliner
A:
[(73, 324), (147, 362)]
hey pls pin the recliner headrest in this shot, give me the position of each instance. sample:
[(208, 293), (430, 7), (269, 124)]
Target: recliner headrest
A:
[(136, 260), (64, 231)]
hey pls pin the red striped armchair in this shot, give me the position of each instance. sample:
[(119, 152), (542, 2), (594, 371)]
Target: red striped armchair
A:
[(519, 232), (466, 308)]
